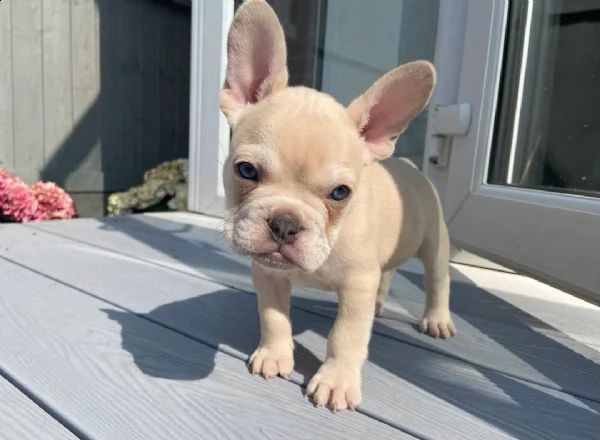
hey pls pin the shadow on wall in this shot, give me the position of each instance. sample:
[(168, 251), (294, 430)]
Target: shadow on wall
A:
[(140, 116)]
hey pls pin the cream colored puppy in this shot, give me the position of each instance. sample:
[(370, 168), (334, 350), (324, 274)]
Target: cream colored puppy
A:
[(314, 200)]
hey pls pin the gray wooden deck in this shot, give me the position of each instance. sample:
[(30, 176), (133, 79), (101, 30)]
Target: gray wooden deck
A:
[(139, 327)]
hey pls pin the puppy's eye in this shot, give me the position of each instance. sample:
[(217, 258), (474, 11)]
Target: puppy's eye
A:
[(247, 171), (339, 193)]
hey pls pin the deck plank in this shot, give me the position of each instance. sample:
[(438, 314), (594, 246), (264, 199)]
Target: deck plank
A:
[(114, 375), (466, 399), (22, 419)]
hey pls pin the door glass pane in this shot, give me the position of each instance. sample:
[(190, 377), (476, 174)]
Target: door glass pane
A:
[(342, 46), (548, 131)]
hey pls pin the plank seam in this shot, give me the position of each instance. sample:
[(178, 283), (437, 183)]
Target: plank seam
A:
[(55, 415)]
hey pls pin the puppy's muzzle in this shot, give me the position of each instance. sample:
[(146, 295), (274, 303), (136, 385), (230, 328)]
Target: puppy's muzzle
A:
[(284, 228)]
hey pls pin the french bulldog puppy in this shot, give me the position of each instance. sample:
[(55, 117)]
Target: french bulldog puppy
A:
[(315, 199)]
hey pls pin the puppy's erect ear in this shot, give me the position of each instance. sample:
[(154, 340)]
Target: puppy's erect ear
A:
[(384, 111), (256, 58)]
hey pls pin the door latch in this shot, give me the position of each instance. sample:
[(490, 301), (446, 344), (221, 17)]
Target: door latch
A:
[(448, 121), (451, 120)]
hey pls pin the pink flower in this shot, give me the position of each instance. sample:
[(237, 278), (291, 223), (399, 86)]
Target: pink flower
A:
[(42, 201), (17, 203), (53, 202)]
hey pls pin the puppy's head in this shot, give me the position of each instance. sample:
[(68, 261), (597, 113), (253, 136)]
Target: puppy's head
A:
[(297, 156)]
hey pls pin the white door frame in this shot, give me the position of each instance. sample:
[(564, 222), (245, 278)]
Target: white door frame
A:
[(209, 131), (526, 230), (473, 64)]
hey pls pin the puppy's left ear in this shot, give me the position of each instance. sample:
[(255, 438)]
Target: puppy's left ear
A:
[(256, 58), (384, 111)]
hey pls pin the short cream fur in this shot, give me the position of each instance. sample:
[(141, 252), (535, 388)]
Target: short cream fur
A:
[(292, 150)]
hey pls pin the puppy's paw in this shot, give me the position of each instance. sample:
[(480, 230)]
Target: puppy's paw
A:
[(379, 308), (335, 385), (272, 361), (438, 324)]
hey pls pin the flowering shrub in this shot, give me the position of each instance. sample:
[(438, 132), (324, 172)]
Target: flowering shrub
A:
[(42, 201), (53, 202), (17, 203)]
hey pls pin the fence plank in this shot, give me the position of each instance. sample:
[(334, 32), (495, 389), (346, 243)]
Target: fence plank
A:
[(109, 111), (150, 86), (58, 97), (183, 26), (28, 86), (168, 102), (126, 55), (6, 95), (86, 82)]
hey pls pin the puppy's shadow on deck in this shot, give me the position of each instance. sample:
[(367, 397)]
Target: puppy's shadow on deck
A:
[(179, 341), (182, 340)]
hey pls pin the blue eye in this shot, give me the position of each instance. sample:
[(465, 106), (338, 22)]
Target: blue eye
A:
[(339, 193), (247, 171)]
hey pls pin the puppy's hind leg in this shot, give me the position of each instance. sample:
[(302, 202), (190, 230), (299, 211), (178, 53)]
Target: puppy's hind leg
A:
[(435, 255), (383, 290)]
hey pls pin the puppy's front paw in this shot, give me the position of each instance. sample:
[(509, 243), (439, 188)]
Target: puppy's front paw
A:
[(272, 361), (438, 324), (336, 385)]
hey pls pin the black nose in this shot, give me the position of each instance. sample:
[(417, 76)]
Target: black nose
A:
[(284, 228)]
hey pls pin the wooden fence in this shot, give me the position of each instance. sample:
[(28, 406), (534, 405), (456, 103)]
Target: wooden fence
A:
[(93, 92)]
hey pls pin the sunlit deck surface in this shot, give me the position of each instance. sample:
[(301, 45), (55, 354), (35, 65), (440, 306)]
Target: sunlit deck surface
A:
[(139, 327)]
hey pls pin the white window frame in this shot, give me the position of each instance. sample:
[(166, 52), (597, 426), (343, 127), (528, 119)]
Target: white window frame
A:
[(520, 228), (209, 131), (468, 60)]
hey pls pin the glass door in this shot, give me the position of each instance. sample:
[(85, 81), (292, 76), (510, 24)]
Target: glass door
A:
[(522, 186)]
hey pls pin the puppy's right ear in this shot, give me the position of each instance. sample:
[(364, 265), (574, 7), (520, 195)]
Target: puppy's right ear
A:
[(256, 58)]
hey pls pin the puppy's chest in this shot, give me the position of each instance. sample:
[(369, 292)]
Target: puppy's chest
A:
[(320, 281)]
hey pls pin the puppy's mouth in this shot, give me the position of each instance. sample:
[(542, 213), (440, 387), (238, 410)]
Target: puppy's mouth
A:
[(275, 260), (273, 255)]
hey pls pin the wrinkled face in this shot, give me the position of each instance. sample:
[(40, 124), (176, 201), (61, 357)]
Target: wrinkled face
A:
[(290, 179)]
